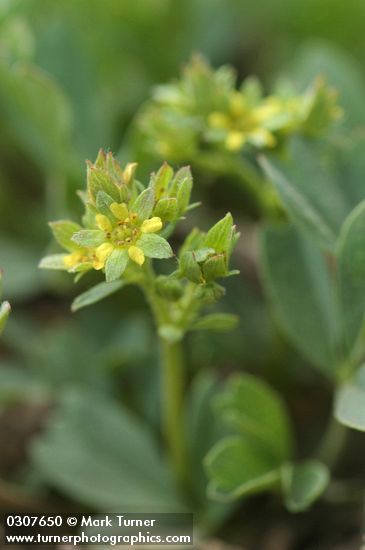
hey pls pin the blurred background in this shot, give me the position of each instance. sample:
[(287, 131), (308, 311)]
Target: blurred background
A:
[(73, 75)]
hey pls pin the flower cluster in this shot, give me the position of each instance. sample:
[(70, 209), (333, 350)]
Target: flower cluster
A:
[(205, 110), (122, 221)]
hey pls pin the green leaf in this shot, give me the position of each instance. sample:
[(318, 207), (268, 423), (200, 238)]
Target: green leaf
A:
[(63, 230), (303, 483), (5, 309), (204, 429), (97, 453), (236, 468), (216, 321), (257, 411), (95, 294), (350, 402), (309, 190), (54, 261), (220, 235), (351, 276), (297, 281), (89, 237), (116, 264), (143, 205), (155, 246)]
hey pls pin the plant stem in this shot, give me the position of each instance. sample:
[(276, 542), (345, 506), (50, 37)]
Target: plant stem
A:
[(173, 386), (332, 443), (172, 381)]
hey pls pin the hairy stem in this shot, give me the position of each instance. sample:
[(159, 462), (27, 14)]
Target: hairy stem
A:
[(172, 394), (172, 380)]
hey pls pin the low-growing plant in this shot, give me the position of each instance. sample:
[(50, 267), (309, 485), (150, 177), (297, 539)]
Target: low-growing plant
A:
[(312, 269)]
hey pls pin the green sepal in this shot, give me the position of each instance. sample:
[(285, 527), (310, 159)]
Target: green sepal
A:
[(54, 261), (116, 264), (166, 209), (161, 180), (99, 180), (89, 237), (215, 267), (155, 246), (103, 202), (190, 268), (143, 205), (220, 235), (63, 230)]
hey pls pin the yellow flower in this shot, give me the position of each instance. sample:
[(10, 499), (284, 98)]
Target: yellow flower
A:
[(123, 234)]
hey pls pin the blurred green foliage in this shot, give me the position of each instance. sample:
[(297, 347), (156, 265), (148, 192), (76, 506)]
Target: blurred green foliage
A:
[(73, 75)]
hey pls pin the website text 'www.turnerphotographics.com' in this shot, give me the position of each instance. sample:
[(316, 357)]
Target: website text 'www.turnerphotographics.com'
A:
[(108, 529)]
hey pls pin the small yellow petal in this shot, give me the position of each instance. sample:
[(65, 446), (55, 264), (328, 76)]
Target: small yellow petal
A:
[(103, 223), (235, 140), (128, 172), (98, 265), (103, 251), (152, 225), (72, 259), (120, 211), (136, 254)]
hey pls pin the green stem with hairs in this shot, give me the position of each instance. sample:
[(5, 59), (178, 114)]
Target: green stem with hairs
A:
[(172, 380)]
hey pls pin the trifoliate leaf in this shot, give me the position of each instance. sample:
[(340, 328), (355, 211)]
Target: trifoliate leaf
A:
[(303, 483)]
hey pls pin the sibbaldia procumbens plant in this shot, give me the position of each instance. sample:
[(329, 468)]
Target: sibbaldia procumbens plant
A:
[(125, 227)]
